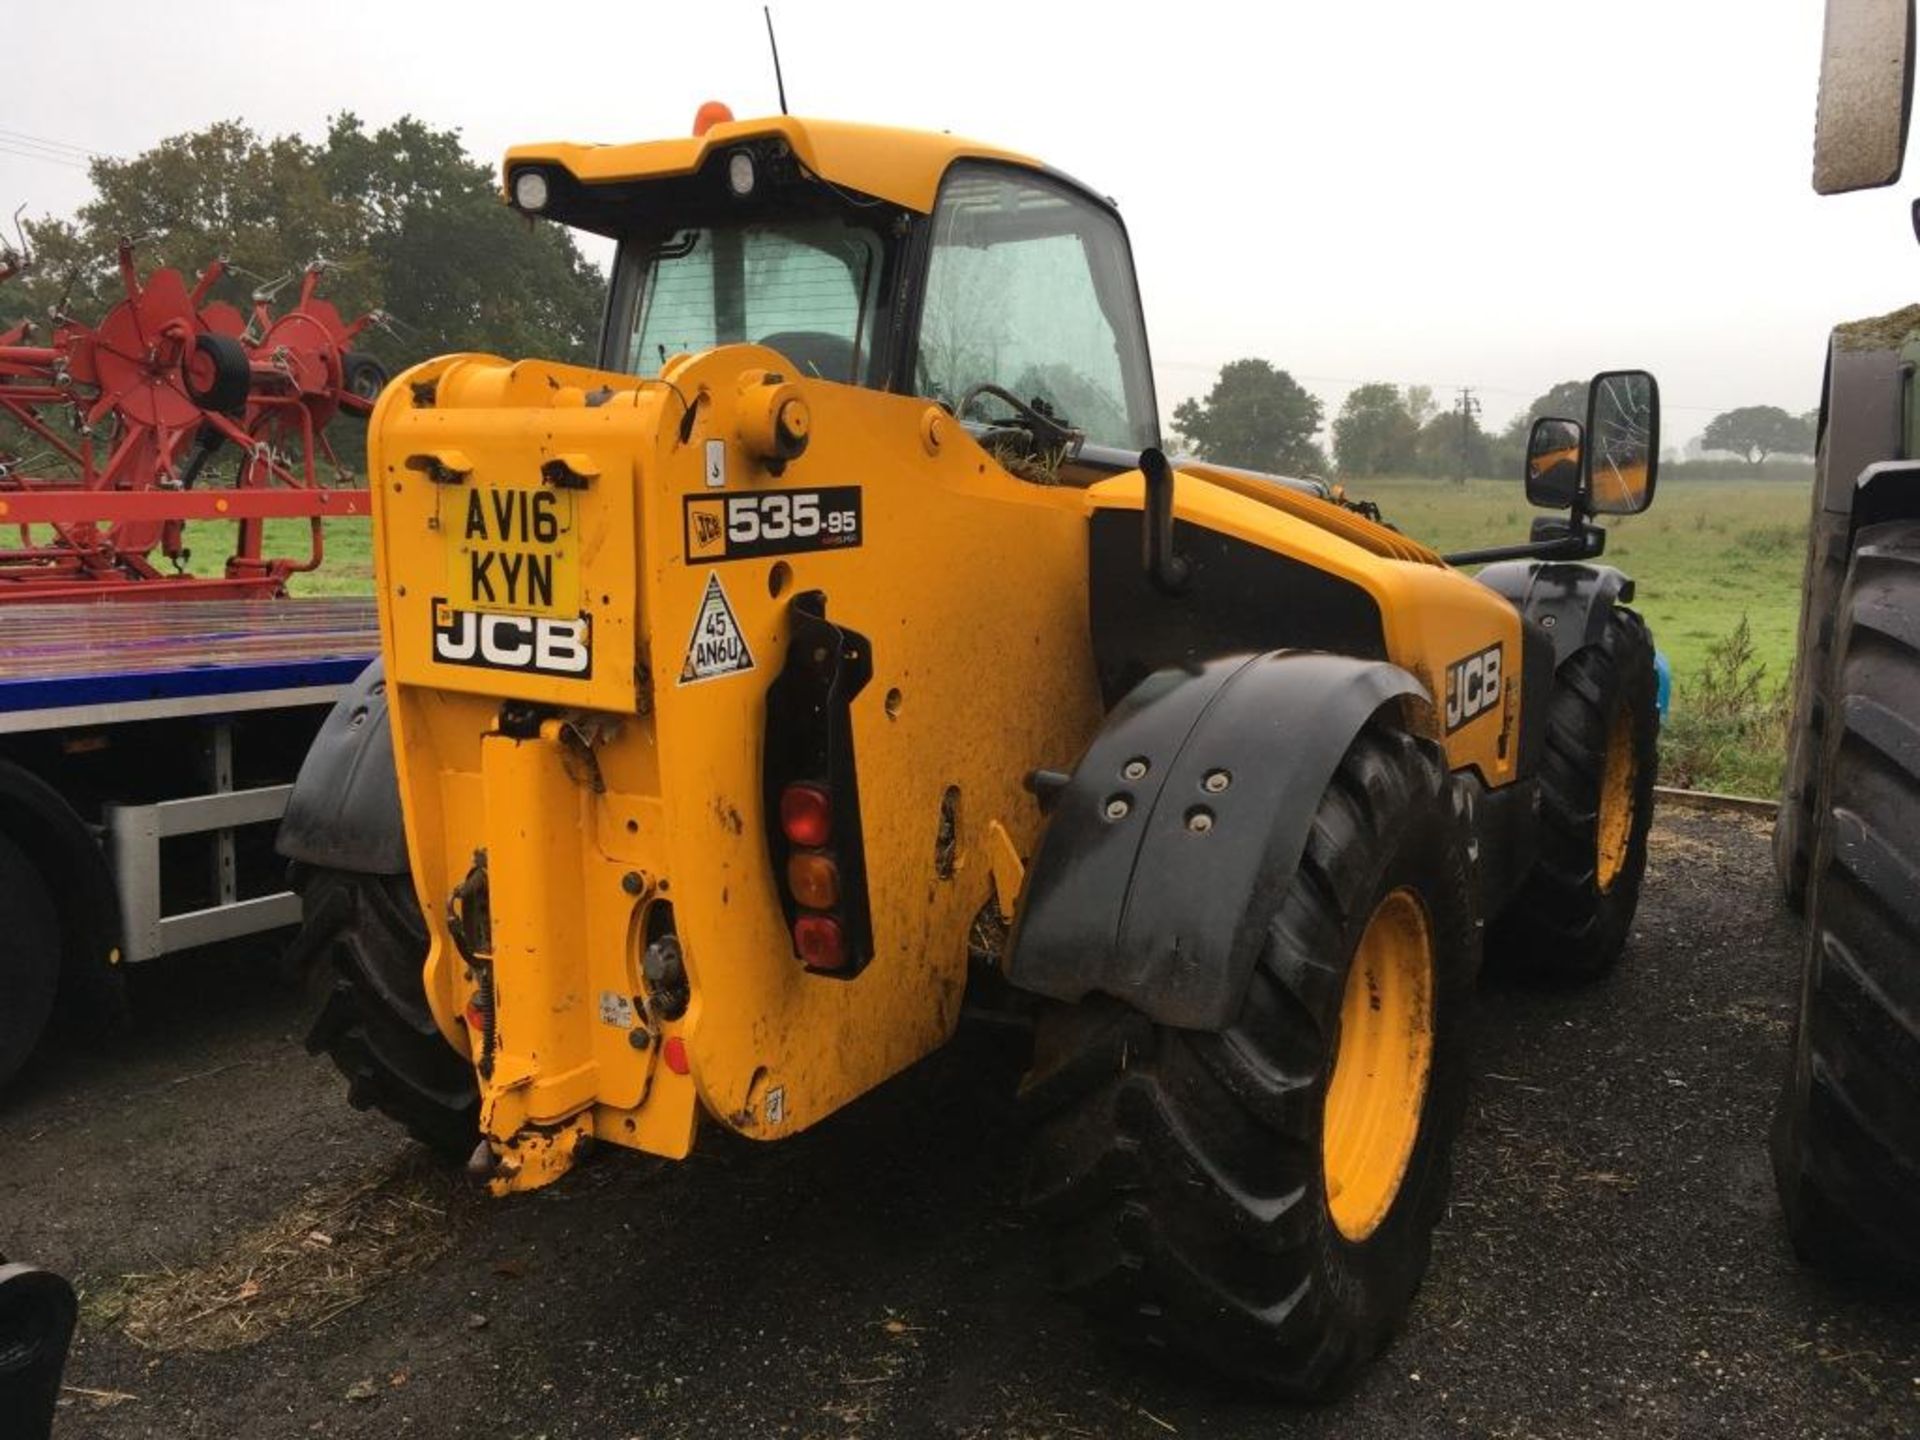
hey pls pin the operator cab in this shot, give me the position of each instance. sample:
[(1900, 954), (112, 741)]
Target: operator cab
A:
[(909, 263)]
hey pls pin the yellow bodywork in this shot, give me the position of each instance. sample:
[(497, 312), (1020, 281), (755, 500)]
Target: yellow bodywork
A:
[(903, 166), (641, 786)]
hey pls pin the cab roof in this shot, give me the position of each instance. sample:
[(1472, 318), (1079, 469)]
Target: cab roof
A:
[(901, 166)]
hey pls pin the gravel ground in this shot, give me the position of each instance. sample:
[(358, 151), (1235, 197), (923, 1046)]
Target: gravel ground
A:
[(1613, 1262)]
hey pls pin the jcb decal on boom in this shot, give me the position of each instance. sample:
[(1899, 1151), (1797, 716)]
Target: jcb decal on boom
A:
[(493, 640), (1473, 686), (771, 522)]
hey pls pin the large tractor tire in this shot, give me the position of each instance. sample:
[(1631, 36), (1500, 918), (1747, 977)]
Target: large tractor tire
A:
[(1829, 540), (1260, 1201), (366, 935), (29, 957), (1570, 919), (1846, 1136)]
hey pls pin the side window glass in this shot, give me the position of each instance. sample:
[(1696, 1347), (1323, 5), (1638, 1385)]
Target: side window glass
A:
[(1030, 287)]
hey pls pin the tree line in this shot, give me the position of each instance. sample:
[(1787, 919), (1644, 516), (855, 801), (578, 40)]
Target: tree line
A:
[(410, 225), (1260, 417), (414, 227)]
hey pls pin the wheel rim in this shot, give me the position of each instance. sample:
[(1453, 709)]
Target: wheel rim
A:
[(1617, 776), (1380, 1069)]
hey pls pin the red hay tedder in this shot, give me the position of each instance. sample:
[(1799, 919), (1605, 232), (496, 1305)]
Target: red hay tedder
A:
[(133, 414)]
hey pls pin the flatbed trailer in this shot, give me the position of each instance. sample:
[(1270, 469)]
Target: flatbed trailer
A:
[(146, 754)]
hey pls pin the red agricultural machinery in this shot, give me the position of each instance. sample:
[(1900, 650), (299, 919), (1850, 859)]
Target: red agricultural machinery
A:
[(134, 413)]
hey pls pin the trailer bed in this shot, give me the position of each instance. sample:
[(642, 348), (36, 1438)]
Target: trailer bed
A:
[(72, 664)]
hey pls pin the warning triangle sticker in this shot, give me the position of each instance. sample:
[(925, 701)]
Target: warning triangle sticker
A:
[(717, 647)]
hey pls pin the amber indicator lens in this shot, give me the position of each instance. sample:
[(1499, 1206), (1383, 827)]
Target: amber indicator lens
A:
[(813, 881)]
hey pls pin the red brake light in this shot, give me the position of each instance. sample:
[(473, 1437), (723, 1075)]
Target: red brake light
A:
[(674, 1052), (806, 815), (821, 943)]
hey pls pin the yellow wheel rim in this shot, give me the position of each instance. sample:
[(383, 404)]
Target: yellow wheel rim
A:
[(1615, 825), (1380, 1070)]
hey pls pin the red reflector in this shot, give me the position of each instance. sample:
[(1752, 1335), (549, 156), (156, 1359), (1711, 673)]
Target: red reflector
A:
[(675, 1053), (710, 114), (806, 814), (820, 942), (476, 1017)]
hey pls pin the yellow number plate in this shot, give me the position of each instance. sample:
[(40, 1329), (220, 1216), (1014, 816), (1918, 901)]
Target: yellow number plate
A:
[(511, 548)]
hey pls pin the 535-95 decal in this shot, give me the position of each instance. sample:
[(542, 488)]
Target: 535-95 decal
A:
[(772, 522)]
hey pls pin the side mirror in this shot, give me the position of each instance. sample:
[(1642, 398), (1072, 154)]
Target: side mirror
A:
[(1623, 442), (1554, 449)]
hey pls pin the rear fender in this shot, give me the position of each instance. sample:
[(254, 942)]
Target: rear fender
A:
[(1154, 886), (344, 813)]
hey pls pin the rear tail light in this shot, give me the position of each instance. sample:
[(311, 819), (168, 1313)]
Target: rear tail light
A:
[(811, 791), (814, 881), (820, 942), (806, 815)]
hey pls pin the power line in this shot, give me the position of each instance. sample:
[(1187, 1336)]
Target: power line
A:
[(46, 143), (22, 154)]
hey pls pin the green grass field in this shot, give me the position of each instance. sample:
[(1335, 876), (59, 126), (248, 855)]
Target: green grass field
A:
[(1710, 554), (1706, 554), (1717, 568)]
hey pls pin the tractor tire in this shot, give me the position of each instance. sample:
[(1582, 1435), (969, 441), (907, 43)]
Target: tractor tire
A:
[(1846, 1134), (1570, 918), (1204, 1205), (366, 935), (1829, 541), (29, 957), (218, 374)]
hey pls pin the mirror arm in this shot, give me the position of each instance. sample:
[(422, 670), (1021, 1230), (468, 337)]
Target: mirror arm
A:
[(1582, 542)]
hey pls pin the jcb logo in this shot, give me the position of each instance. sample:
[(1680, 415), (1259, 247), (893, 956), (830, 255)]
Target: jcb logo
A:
[(1473, 687), (493, 641)]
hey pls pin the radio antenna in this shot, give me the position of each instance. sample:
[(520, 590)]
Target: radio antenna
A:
[(774, 45)]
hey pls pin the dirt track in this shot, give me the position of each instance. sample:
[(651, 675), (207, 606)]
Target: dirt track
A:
[(1612, 1264)]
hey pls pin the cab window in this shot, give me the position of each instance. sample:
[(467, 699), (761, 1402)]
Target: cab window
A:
[(807, 288), (1030, 287)]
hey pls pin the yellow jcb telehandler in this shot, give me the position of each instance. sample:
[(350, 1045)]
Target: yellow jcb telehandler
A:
[(848, 608)]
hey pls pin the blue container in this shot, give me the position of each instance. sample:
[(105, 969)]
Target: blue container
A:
[(1663, 683)]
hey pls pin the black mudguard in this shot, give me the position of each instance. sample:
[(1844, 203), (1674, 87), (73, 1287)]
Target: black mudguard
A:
[(344, 813), (1133, 894), (1570, 601), (1887, 490)]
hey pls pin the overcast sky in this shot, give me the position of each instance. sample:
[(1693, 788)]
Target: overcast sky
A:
[(1476, 193)]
